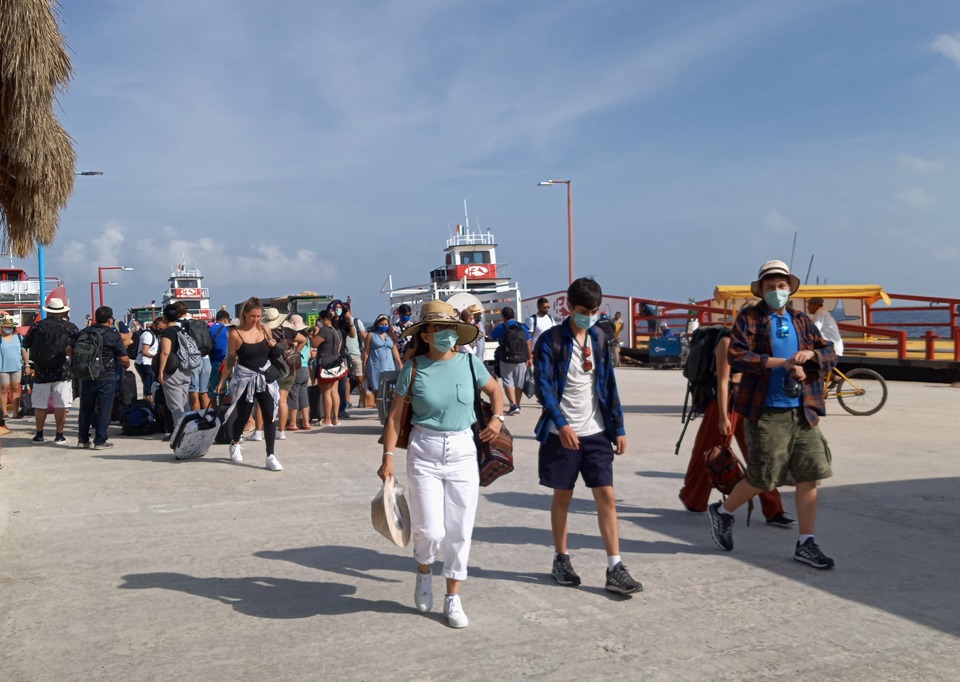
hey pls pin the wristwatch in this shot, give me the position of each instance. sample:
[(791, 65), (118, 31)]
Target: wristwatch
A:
[(500, 417)]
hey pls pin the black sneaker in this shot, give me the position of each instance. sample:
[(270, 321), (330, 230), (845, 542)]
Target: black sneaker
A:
[(60, 438), (620, 581), (106, 445), (809, 553), (721, 527), (563, 571), (781, 520), (37, 439)]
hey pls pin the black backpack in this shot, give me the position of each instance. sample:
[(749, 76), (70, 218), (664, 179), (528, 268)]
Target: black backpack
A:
[(700, 371), (49, 343), (200, 333), (515, 344), (87, 361)]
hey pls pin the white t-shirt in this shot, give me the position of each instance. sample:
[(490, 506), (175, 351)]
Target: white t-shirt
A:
[(828, 329), (538, 325), (580, 403), (150, 339)]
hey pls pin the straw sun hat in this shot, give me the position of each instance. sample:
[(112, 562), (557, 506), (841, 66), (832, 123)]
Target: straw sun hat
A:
[(390, 513), (771, 268), (440, 312), (272, 318)]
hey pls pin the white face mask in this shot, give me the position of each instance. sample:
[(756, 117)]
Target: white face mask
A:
[(7, 331)]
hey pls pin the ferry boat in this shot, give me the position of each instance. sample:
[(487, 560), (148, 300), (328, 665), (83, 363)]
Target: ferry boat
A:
[(20, 295), (470, 274), (184, 284)]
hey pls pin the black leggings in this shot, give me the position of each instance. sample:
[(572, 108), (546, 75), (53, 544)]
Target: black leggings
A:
[(245, 407)]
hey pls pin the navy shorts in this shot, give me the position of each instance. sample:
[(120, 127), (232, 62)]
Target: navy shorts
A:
[(560, 467)]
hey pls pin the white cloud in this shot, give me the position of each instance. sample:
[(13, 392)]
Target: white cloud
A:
[(915, 196), (916, 164), (948, 46)]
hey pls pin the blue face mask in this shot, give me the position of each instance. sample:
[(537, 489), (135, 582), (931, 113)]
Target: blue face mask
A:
[(382, 328), (445, 340), (585, 321), (404, 318), (777, 298)]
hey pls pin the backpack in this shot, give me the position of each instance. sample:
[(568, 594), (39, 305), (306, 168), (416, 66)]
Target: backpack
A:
[(514, 344), (188, 355), (608, 326), (700, 371), (137, 419), (200, 333), (49, 344), (135, 343), (724, 471), (87, 361)]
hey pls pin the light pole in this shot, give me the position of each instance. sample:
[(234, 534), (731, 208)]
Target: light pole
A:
[(569, 184), (42, 265), (100, 270), (93, 305)]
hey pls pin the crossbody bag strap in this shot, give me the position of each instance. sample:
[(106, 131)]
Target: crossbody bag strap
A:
[(477, 407)]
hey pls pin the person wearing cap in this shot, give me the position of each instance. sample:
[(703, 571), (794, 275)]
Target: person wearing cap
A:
[(220, 333), (13, 365), (47, 340), (581, 429), (825, 323), (443, 479), (783, 360), (248, 359)]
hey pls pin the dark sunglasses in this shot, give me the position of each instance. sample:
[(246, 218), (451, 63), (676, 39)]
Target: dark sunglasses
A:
[(587, 365)]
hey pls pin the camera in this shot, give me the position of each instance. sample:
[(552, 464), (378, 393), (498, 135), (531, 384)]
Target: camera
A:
[(792, 388)]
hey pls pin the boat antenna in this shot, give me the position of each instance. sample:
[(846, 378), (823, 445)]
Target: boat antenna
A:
[(466, 217), (809, 268), (793, 250)]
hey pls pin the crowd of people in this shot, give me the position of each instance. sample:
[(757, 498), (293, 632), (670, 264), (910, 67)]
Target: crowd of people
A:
[(771, 369)]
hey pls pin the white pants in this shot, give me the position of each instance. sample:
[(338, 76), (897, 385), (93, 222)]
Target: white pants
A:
[(62, 392), (444, 484)]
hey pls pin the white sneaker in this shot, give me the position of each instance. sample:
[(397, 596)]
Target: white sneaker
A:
[(423, 596), (453, 610), (281, 435), (273, 464), (257, 435), (236, 454)]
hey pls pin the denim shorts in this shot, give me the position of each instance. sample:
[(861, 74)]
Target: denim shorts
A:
[(200, 377), (784, 450), (560, 467)]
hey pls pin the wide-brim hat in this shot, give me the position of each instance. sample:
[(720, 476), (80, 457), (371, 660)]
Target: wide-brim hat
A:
[(272, 318), (441, 312), (56, 306), (296, 323), (390, 513), (6, 320), (771, 268)]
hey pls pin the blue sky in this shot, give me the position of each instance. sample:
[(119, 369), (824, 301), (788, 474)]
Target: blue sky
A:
[(296, 144)]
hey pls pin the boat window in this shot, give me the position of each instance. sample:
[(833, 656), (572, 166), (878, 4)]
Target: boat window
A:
[(188, 284), (474, 257)]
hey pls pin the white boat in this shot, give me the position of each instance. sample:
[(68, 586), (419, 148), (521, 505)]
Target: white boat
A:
[(187, 285)]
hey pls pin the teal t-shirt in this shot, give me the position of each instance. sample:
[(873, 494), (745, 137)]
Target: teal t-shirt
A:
[(442, 396)]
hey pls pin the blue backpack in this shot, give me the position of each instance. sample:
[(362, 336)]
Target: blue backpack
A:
[(137, 419)]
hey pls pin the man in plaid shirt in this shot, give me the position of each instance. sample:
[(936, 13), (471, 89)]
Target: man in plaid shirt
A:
[(784, 360)]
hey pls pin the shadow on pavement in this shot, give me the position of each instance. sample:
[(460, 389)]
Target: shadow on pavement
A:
[(265, 597), (653, 409)]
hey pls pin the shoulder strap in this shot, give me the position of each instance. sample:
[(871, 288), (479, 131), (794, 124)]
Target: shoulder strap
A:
[(477, 407)]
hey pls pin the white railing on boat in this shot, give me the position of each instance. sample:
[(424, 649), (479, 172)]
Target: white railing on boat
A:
[(472, 239)]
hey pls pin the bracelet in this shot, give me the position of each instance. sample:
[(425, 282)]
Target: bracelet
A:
[(388, 453)]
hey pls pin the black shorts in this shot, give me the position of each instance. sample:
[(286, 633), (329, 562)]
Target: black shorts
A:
[(560, 467)]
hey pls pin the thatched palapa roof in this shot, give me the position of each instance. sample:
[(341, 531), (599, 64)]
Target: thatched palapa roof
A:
[(37, 159)]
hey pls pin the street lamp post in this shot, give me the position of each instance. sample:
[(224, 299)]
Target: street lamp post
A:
[(568, 183), (93, 305), (100, 270), (42, 265)]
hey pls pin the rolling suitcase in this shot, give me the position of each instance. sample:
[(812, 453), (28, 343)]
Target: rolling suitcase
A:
[(388, 382), (194, 434), (225, 432)]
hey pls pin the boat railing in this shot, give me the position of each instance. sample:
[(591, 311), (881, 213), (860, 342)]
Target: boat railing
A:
[(934, 343), (472, 239), (20, 291)]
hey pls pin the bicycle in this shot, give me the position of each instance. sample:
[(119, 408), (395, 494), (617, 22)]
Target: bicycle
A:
[(860, 392)]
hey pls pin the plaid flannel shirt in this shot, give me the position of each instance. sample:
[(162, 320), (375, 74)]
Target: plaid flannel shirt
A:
[(750, 346)]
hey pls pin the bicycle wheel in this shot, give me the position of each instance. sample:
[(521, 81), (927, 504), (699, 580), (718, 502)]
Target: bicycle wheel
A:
[(862, 392)]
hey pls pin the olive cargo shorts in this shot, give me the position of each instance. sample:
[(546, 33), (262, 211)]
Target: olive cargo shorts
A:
[(783, 447)]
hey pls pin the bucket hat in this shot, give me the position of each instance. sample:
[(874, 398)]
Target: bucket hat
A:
[(55, 306), (441, 312), (390, 513), (296, 323), (770, 268), (272, 318)]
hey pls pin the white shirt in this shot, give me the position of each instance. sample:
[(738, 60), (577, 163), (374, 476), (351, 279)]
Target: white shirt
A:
[(828, 328), (538, 325), (154, 346), (580, 403)]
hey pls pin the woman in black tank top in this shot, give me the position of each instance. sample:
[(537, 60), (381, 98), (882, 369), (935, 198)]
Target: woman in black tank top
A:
[(248, 351)]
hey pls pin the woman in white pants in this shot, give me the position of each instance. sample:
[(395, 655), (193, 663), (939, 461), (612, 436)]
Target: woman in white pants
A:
[(443, 481)]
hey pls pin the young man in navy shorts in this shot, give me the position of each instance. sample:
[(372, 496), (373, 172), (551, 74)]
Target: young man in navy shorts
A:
[(581, 428)]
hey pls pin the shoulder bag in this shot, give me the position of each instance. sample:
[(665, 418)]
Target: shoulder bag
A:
[(494, 459), (404, 423)]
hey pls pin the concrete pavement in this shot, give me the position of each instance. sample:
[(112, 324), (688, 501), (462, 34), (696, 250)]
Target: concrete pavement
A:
[(127, 565)]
